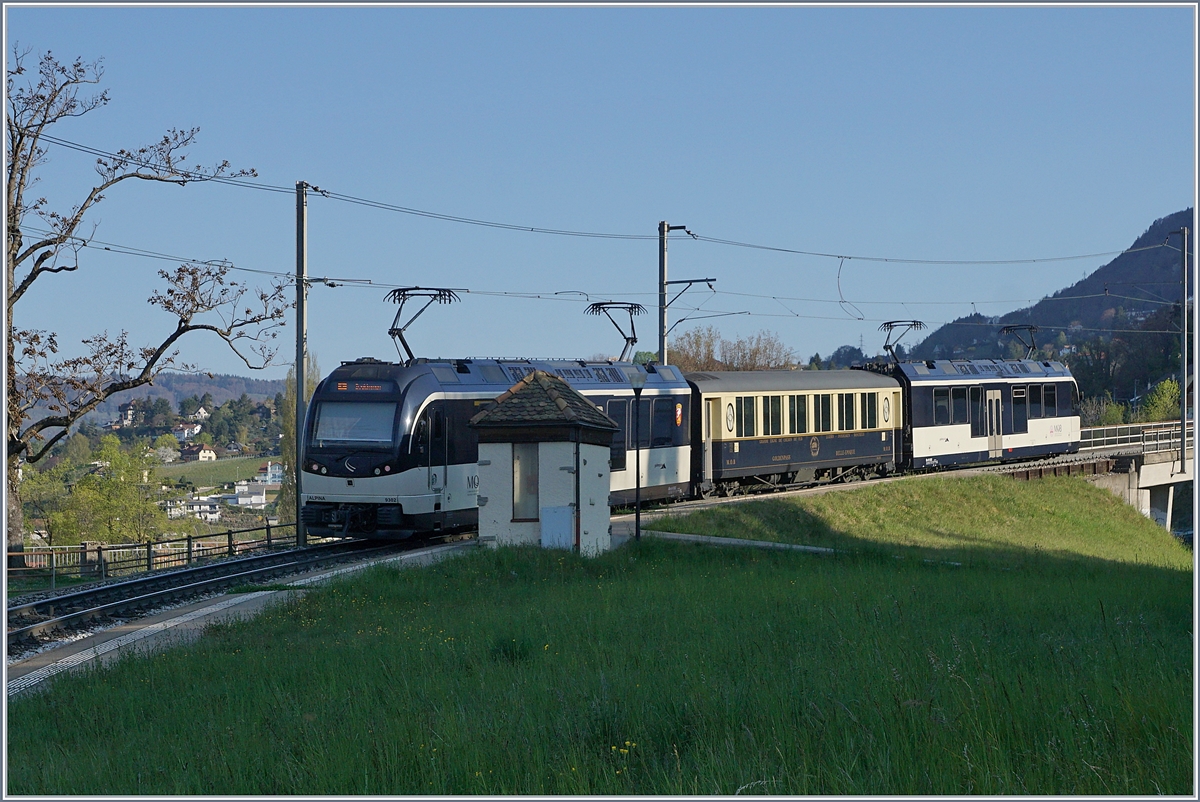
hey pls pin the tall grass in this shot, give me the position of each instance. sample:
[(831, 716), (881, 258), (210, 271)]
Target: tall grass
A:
[(660, 668)]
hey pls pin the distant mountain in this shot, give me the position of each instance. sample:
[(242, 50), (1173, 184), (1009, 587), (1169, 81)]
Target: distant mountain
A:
[(1118, 295)]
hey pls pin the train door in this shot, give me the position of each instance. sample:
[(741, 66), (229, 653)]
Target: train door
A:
[(712, 420), (438, 444), (994, 429)]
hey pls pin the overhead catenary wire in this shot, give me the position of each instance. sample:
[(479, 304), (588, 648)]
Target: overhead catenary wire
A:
[(338, 281), (393, 207)]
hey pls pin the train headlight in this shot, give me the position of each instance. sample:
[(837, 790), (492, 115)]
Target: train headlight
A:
[(387, 468), (324, 470), (377, 471)]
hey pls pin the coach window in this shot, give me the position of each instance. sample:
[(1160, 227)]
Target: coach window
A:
[(1049, 398), (941, 406), (869, 403), (978, 421), (822, 413), (1035, 400), (845, 412), (958, 404), (664, 422), (1019, 415), (643, 424), (745, 415), (772, 414), (618, 410), (797, 414), (525, 481)]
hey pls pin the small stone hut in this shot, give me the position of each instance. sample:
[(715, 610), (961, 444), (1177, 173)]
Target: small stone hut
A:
[(543, 467)]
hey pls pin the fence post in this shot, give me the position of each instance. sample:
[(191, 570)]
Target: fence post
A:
[(268, 535), (100, 561), (149, 556), (189, 557), (53, 566), (230, 536)]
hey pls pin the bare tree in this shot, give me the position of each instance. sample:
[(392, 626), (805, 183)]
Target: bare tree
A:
[(200, 297), (703, 348)]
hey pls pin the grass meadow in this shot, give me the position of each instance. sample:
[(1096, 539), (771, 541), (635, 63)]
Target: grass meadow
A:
[(212, 474), (1053, 665)]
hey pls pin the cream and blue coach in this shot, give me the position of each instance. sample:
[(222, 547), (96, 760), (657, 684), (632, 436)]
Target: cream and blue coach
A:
[(962, 411), (780, 427)]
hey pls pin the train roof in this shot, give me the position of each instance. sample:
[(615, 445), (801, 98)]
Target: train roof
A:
[(979, 369), (504, 373), (736, 381)]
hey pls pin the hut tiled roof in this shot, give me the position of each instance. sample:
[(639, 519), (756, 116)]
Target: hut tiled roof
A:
[(543, 399)]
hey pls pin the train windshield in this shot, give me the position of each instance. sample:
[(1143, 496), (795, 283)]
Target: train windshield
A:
[(365, 423)]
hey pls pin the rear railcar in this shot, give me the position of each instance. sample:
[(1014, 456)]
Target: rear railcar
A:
[(972, 411)]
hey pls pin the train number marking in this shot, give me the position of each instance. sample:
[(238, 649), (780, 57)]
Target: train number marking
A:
[(473, 481)]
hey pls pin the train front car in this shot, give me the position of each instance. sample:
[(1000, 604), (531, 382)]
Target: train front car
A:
[(382, 458), (965, 411), (389, 452), (762, 429)]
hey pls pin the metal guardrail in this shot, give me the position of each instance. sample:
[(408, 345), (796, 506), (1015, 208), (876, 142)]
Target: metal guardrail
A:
[(93, 560), (1143, 438)]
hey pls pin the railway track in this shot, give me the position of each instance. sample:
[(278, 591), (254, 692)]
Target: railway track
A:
[(32, 623)]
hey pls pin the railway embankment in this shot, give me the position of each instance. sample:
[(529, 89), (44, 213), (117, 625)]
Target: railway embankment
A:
[(1044, 663)]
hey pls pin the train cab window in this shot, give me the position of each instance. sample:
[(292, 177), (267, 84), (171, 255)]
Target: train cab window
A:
[(368, 424), (1074, 400), (618, 410), (435, 418), (845, 411), (978, 419), (958, 405), (797, 414), (525, 481), (941, 406), (662, 429), (1035, 400), (868, 406), (772, 414), (1020, 416), (822, 413), (744, 414), (1049, 397)]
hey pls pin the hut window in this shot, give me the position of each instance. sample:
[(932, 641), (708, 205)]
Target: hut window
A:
[(525, 481)]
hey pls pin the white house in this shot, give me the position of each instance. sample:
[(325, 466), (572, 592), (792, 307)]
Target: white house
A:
[(206, 508), (543, 468), (248, 495), (186, 431), (200, 415), (270, 473)]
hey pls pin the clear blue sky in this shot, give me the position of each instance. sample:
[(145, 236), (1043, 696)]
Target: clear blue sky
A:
[(934, 133)]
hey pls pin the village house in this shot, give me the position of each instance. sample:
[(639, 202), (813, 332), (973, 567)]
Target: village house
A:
[(270, 473), (200, 415), (186, 431), (200, 452), (206, 508), (248, 495)]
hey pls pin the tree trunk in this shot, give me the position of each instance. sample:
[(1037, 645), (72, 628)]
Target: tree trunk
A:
[(16, 515)]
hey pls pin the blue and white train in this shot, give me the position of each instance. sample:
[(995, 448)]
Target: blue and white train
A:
[(389, 452)]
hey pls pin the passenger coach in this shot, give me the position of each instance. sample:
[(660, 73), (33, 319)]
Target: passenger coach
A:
[(779, 427), (963, 411)]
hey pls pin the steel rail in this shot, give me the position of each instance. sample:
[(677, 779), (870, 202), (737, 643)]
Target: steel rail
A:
[(149, 592)]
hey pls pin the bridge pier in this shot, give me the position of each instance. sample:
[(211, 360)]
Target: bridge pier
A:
[(1149, 483)]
